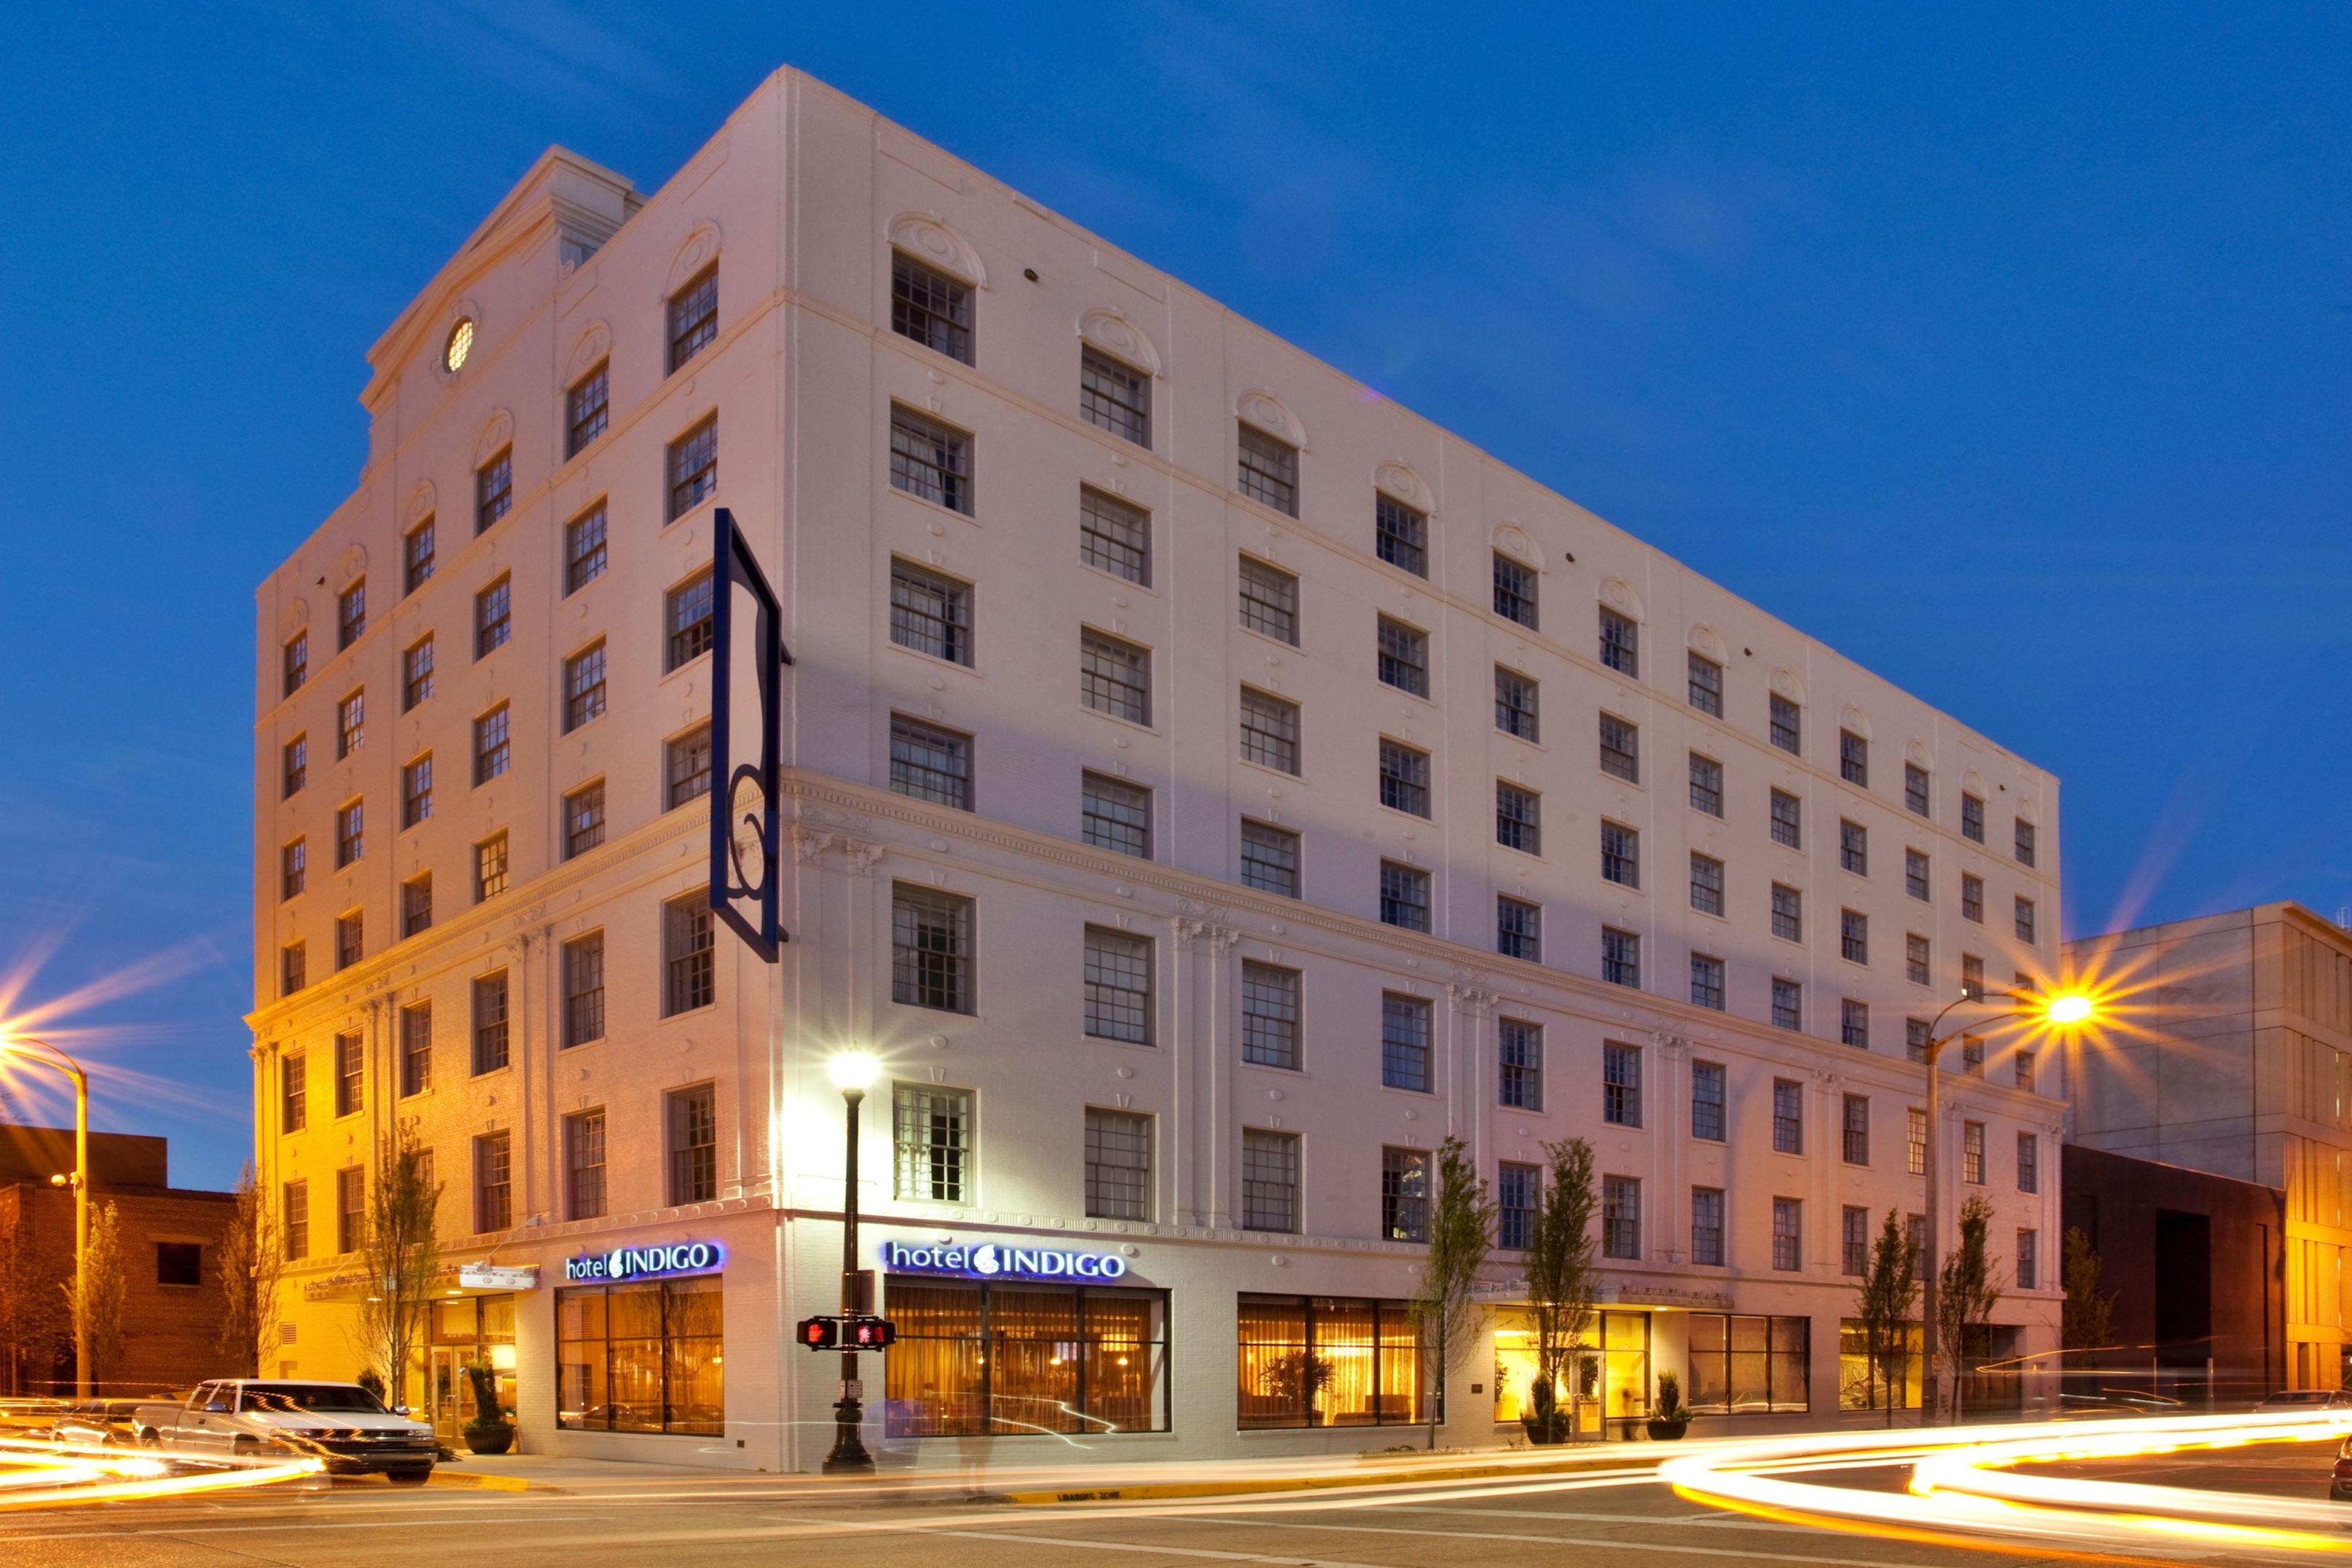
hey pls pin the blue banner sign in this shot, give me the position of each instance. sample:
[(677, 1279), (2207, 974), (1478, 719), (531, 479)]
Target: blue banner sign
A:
[(647, 1262), (988, 1260)]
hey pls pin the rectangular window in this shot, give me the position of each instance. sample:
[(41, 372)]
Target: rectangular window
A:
[(1857, 1129), (416, 551), (1707, 1226), (1119, 1165), (1404, 896), (932, 1143), (1515, 705), (351, 724), (1519, 927), (931, 306), (1971, 897), (587, 410), (930, 614), (493, 618), (293, 869), (415, 1048), (491, 868), (1972, 817), (1788, 1116), (1521, 1050), (293, 1092), (493, 1183), (1403, 660), (489, 1022), (693, 319), (416, 673), (686, 774), (693, 468), (2029, 1260), (1972, 980), (1853, 1242), (416, 904), (1518, 820), (1621, 644), (351, 614), (1788, 820), (930, 460), (643, 1357), (928, 763), (1404, 778), (1620, 1084), (1042, 1357), (1114, 397), (1621, 855), (1621, 749), (1786, 718), (688, 958), (350, 1208), (1270, 601), (1115, 814), (1706, 884), (1621, 1217), (351, 832), (493, 491), (296, 771), (294, 667), (584, 552), (1706, 980), (1709, 1086), (583, 1165), (1915, 1141), (1404, 1042), (1914, 789), (1269, 858), (294, 1210), (1404, 1194), (1399, 534), (1787, 912), (584, 687), (1118, 985), (351, 1075), (347, 939), (1269, 732), (1706, 785), (493, 745), (1853, 758), (1854, 936), (2025, 842), (583, 819), (1114, 537), (1268, 471), (1269, 1181), (1515, 591), (692, 1116), (1519, 1189), (1270, 1015), (931, 949), (2029, 1162), (690, 621), (2024, 1062), (1788, 1234), (583, 989), (1853, 1023), (1705, 685), (1788, 1004), (2023, 916), (1621, 957), (1114, 676), (1853, 847), (1364, 1362), (1972, 1153), (1914, 875), (1915, 966)]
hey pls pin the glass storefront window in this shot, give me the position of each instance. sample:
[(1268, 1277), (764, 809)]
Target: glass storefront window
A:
[(1863, 1387), (1004, 1358), (645, 1357), (1741, 1363), (1317, 1360)]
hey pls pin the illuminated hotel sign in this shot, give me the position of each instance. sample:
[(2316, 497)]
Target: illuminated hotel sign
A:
[(989, 1260), (645, 1262)]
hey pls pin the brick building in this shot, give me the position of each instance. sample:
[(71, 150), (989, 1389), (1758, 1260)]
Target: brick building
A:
[(170, 1240)]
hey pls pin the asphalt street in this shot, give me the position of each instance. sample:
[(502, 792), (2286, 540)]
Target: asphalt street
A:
[(788, 1521)]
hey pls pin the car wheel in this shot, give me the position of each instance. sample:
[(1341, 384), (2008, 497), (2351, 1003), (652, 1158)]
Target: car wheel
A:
[(408, 1477)]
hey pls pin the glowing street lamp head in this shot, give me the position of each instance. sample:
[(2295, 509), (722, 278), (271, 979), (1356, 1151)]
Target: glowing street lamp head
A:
[(2070, 1007), (854, 1070)]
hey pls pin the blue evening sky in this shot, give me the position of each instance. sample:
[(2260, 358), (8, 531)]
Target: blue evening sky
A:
[(2001, 347)]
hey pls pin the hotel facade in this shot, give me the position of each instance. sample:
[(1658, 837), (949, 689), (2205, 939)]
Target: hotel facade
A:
[(1209, 788)]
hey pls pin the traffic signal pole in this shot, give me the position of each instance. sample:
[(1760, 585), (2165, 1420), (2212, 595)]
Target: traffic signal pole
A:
[(849, 1456)]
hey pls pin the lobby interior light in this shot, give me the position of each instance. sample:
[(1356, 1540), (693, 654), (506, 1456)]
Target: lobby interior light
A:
[(854, 1070)]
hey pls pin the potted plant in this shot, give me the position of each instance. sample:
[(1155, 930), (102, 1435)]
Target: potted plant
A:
[(490, 1431), (1298, 1380), (1669, 1417), (368, 1380), (1544, 1421)]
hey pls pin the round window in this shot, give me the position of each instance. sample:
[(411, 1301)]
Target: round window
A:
[(461, 343)]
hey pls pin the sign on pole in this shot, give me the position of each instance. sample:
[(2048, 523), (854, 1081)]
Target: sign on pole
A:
[(746, 730)]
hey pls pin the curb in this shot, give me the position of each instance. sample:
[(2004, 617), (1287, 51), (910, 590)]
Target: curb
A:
[(446, 1478), (1155, 1491)]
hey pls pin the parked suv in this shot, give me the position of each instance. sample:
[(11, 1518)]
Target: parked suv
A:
[(340, 1423)]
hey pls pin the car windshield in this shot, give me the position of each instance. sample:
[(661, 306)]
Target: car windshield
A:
[(343, 1396)]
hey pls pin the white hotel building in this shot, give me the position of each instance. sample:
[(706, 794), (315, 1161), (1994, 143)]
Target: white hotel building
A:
[(1210, 785)]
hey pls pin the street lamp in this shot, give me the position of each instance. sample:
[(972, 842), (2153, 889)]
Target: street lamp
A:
[(852, 1073), (41, 1053), (2066, 1007)]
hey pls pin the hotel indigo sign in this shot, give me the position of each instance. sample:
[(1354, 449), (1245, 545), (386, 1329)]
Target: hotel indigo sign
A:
[(988, 1260), (645, 1262)]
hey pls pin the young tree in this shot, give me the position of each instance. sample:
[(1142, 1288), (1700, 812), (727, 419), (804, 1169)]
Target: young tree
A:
[(1888, 1292), (1461, 1234), (400, 1255), (95, 1309), (1562, 1281), (1966, 1293), (32, 1319), (2090, 1318), (249, 1264)]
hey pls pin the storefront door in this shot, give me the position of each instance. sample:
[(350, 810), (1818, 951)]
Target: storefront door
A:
[(1607, 1385), (464, 1330)]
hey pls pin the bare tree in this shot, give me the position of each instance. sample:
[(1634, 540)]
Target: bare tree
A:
[(1966, 1293), (1887, 1294), (1461, 1234), (250, 1264), (94, 1301), (1563, 1279), (400, 1257)]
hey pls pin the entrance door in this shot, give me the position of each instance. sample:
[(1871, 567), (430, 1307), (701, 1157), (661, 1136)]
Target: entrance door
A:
[(448, 1398)]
